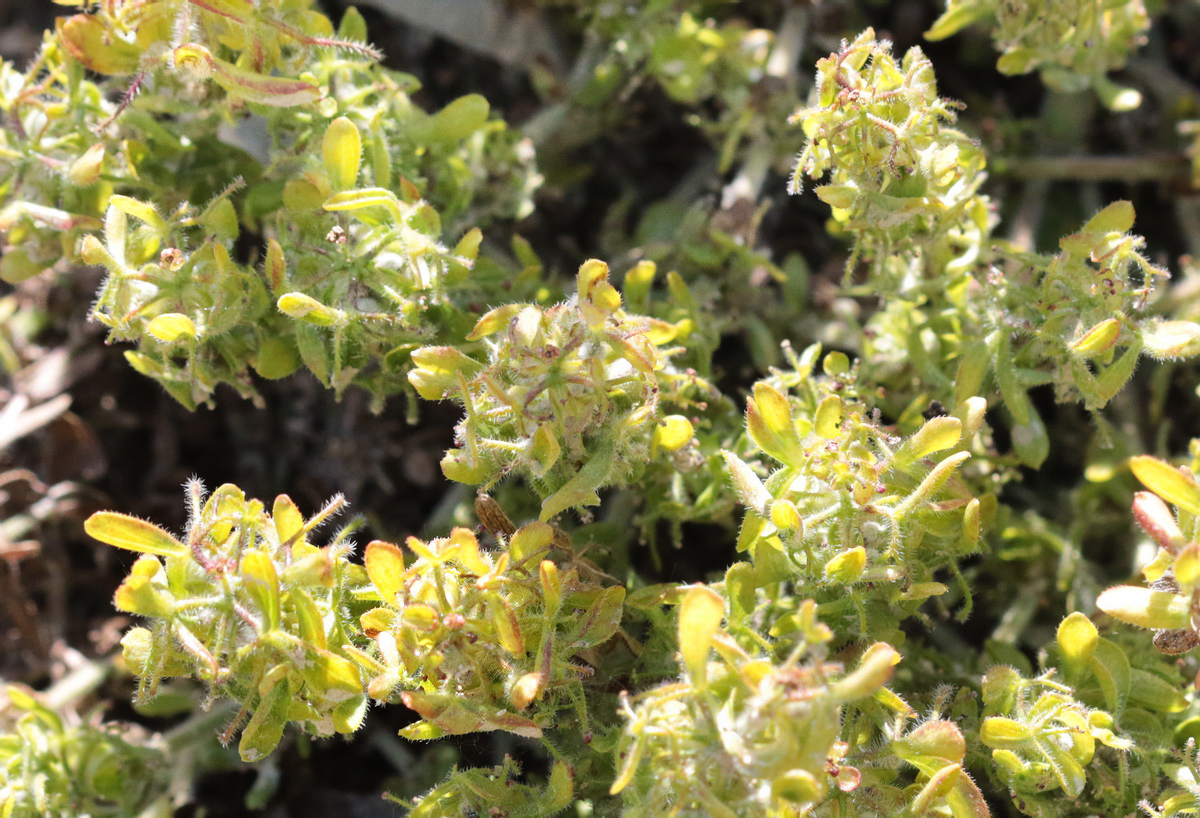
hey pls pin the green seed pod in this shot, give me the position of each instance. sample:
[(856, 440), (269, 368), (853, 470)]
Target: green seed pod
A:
[(308, 309)]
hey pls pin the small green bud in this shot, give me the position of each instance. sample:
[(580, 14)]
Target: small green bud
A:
[(195, 60), (972, 525), (308, 309), (221, 218), (786, 517), (746, 483), (560, 789), (1156, 519), (1097, 340), (937, 434), (673, 433), (999, 732), (171, 327), (839, 196), (874, 670), (528, 688), (93, 252), (940, 740), (85, 170), (352, 28), (438, 369), (847, 566), (552, 590), (1077, 640)]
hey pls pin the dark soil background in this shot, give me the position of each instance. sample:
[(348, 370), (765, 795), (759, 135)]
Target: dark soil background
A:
[(81, 431)]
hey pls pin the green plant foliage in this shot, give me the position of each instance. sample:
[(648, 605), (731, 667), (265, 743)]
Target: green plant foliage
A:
[(482, 641), (49, 766), (245, 603), (570, 395), (899, 180), (851, 506), (1072, 44), (355, 272), (864, 615)]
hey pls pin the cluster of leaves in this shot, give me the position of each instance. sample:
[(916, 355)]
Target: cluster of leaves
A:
[(245, 603), (470, 636), (859, 514), (49, 766), (851, 506), (1073, 45), (355, 273), (570, 395), (904, 187)]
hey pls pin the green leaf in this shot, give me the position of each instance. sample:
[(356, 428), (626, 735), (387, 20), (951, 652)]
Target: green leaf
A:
[(341, 151), (1011, 390), (749, 488), (1110, 666), (1117, 217), (1031, 441), (494, 320), (769, 423), (957, 17), (262, 582), (602, 618), (350, 200), (1153, 691), (1168, 482), (130, 533), (1077, 640), (936, 435), (1172, 339), (264, 731), (458, 120), (1145, 608), (700, 616), (385, 566), (580, 490), (828, 418), (279, 92)]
